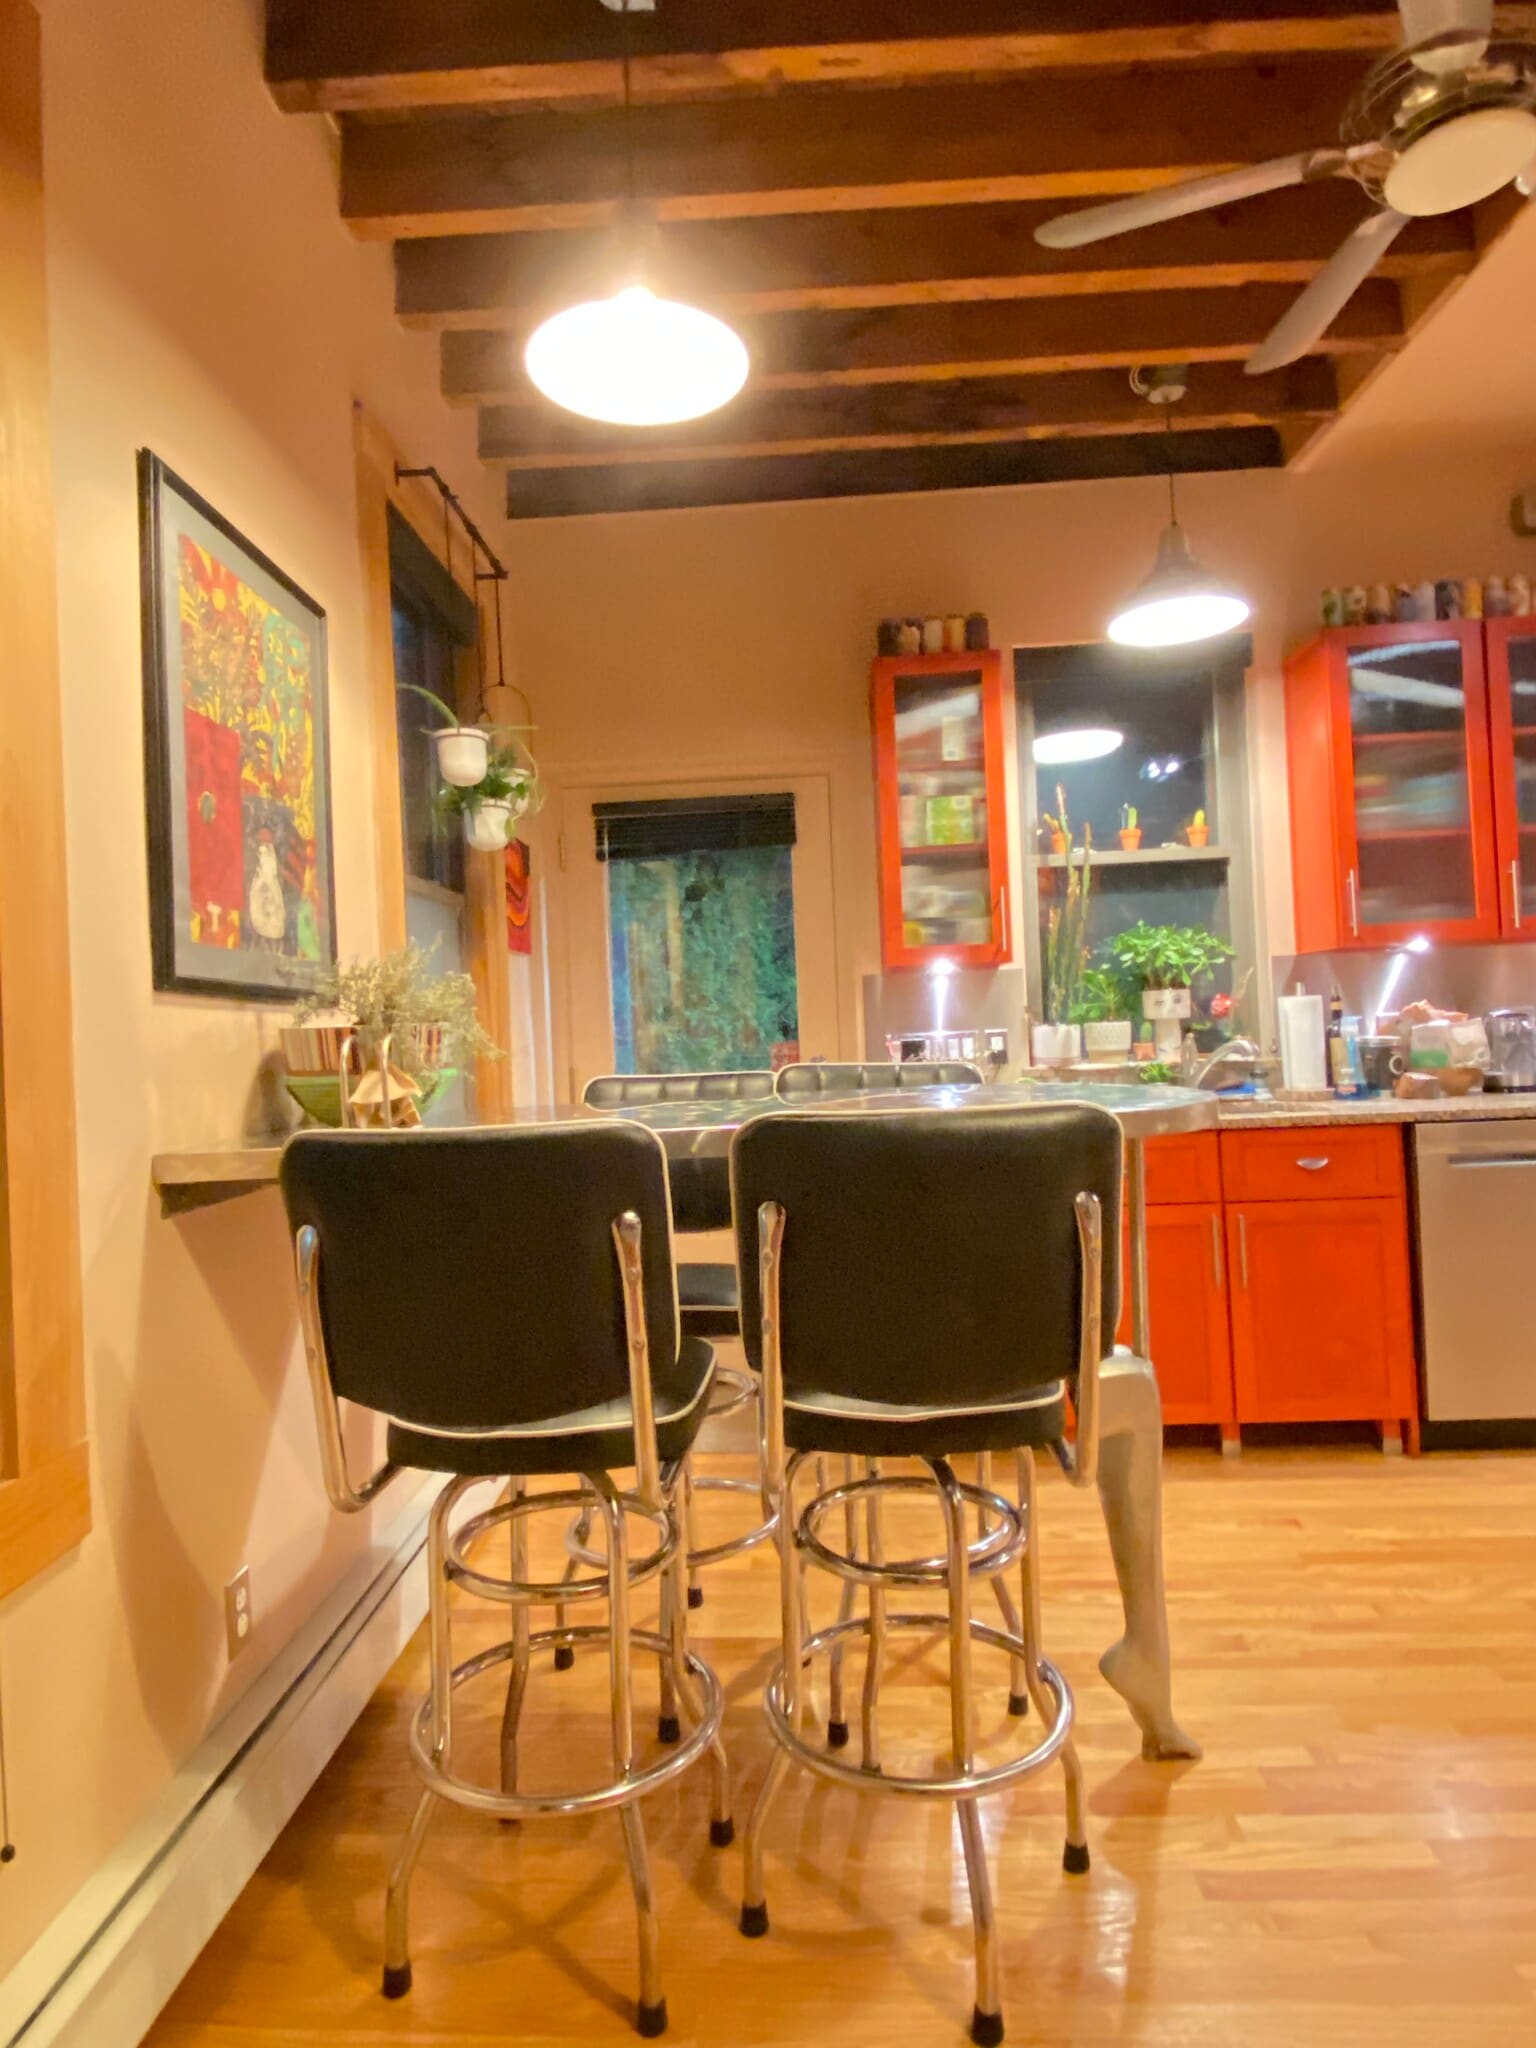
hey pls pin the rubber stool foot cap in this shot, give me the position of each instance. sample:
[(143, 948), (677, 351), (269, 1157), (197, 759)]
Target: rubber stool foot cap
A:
[(722, 1833), (695, 1596), (754, 1922), (669, 1729), (565, 1657), (397, 1982), (1074, 1858), (986, 2028), (837, 1735), (651, 2020), (1018, 1704)]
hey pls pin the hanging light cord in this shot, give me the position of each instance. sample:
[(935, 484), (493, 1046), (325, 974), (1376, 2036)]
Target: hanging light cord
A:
[(1173, 503), (629, 103)]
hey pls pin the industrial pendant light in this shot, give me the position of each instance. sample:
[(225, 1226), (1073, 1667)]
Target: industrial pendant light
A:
[(636, 359), (1179, 602)]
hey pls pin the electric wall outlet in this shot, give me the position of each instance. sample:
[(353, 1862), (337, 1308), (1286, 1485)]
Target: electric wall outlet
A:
[(238, 1618)]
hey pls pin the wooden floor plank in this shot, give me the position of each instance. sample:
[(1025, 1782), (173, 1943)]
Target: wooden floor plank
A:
[(1354, 1862)]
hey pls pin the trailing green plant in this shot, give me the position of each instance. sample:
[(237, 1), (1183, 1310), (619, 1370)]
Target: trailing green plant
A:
[(1152, 1071), (511, 777), (1066, 928), (1167, 955), (1101, 998), (399, 989)]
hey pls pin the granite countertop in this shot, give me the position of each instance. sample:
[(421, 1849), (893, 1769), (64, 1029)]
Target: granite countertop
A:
[(1261, 1112)]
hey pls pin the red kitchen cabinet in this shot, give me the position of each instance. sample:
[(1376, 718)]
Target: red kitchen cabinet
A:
[(943, 727), (1186, 1281), (1392, 787), (1511, 660), (1322, 1320)]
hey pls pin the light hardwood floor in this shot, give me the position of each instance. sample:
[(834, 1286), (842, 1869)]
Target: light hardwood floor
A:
[(1354, 1863)]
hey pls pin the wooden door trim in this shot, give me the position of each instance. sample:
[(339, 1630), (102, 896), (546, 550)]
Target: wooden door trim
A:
[(45, 1506)]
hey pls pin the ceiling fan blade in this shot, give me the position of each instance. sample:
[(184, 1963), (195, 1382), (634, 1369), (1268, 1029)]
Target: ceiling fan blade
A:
[(1314, 310), (1195, 195)]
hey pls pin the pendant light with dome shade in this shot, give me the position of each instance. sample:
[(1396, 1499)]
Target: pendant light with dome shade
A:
[(1180, 602), (636, 358)]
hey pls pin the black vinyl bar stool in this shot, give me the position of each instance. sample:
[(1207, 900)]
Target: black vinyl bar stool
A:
[(707, 1296), (803, 1078), (505, 1299), (924, 1286)]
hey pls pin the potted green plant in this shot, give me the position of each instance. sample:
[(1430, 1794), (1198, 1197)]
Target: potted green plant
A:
[(509, 789), (463, 751), (1104, 1012), (1059, 1039), (395, 1011), (1164, 960)]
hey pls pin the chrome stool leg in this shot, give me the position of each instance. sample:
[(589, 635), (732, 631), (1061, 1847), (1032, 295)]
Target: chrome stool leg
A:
[(722, 1828), (869, 1727), (837, 1719), (669, 1727), (581, 1536), (397, 1901), (1018, 1688), (691, 1535), (651, 2018), (987, 2017), (1075, 1858), (517, 1675)]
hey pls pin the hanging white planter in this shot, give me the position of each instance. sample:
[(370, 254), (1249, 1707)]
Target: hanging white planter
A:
[(488, 827), (463, 755)]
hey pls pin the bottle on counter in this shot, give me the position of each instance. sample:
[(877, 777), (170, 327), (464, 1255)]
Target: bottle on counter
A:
[(954, 633), (1354, 605), (1333, 606), (978, 633), (1424, 600), (1495, 598), (910, 636), (1448, 598), (1519, 588), (1471, 598), (1378, 605), (933, 636), (1405, 607)]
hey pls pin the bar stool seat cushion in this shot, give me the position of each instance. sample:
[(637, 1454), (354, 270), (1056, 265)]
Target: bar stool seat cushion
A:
[(595, 1439), (1037, 1418), (709, 1300)]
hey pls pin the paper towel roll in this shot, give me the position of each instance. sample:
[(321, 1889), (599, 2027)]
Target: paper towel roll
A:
[(1303, 1062)]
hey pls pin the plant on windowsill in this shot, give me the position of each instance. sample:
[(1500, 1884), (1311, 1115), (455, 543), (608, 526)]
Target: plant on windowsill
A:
[(1166, 956), (423, 1024), (1066, 943), (1103, 1009)]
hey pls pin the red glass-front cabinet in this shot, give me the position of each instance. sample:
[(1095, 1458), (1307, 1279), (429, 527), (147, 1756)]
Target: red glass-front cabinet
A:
[(1391, 775), (1511, 661), (942, 727)]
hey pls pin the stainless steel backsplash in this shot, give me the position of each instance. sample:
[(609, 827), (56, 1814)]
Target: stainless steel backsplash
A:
[(1476, 979)]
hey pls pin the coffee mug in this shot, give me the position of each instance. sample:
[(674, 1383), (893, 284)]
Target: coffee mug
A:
[(1381, 1061)]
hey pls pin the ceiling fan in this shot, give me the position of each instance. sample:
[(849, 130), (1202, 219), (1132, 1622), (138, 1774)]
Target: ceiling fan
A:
[(1438, 124)]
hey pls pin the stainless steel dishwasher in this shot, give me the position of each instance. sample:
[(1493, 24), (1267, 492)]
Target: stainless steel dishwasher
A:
[(1476, 1199)]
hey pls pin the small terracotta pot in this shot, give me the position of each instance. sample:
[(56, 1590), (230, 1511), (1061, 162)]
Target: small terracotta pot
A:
[(1130, 839), (1197, 835), (1058, 842)]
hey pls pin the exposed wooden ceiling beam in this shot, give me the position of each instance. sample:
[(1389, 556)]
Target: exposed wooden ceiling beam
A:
[(811, 153), (903, 256), (657, 486), (759, 424), (990, 338), (399, 53)]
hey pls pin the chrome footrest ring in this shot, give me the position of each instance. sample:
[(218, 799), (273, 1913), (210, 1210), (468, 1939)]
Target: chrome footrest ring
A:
[(434, 1773), (734, 1389), (999, 1545), (950, 1785), (716, 1553), (514, 1592)]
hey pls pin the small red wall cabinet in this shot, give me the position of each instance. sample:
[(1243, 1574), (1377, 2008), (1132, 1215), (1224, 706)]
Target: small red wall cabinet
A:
[(1511, 664), (1392, 787), (943, 724)]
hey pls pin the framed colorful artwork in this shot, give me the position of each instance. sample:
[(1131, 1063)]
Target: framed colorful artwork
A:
[(519, 899), (242, 891)]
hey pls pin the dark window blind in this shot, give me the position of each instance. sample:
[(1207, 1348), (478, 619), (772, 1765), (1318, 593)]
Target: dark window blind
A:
[(664, 827)]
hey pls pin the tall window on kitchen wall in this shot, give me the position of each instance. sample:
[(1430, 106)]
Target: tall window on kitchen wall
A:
[(1140, 757), (433, 628), (701, 931)]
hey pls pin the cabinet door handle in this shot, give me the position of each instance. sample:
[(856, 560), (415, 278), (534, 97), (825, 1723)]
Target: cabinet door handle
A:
[(1218, 1268), (1002, 915), (1515, 890), (1353, 888), (1242, 1248), (1313, 1165)]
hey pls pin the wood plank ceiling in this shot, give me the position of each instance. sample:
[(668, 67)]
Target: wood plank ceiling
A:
[(856, 184)]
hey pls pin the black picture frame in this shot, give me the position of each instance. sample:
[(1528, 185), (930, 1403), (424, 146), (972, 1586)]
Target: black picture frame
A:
[(260, 967)]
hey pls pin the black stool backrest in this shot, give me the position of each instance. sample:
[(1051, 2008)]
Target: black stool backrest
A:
[(832, 1077), (701, 1188), (930, 1257), (638, 1091), (468, 1279)]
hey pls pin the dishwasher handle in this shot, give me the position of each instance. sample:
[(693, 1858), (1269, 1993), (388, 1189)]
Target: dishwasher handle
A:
[(1492, 1159)]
